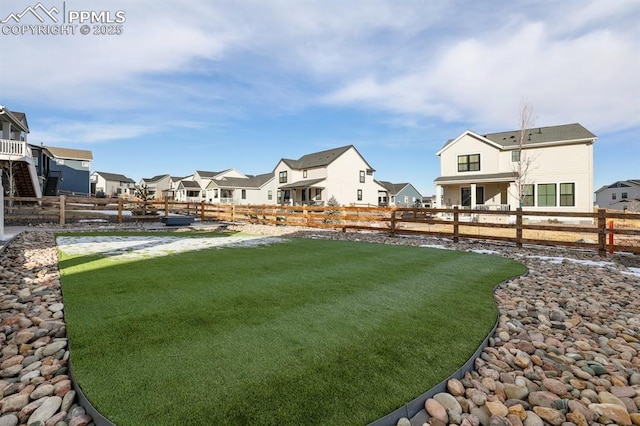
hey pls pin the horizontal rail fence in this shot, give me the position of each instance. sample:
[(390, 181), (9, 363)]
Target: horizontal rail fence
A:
[(601, 230)]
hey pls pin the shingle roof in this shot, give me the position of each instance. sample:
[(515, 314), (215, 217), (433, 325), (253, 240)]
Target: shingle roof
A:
[(190, 184), (248, 182), (114, 177), (475, 178), (302, 184), (564, 132), (156, 178), (393, 188), (317, 159), (539, 135), (70, 154), (206, 174)]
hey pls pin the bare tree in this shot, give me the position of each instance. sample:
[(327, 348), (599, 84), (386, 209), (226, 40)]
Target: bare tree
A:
[(524, 160)]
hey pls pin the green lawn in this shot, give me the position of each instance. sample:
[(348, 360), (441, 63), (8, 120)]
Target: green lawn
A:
[(301, 332)]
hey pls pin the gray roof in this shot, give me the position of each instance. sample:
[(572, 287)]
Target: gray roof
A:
[(393, 188), (476, 177), (248, 182), (114, 177), (209, 175), (621, 184), (302, 184), (190, 184), (540, 135), (155, 178), (319, 159)]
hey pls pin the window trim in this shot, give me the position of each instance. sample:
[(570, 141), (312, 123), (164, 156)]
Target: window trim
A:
[(528, 199), (362, 176), (467, 165), (359, 194), (547, 196), (282, 176), (567, 197)]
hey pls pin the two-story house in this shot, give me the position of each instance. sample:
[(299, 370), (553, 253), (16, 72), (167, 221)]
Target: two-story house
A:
[(620, 195), (314, 178), (63, 170), (543, 168), (156, 185), (112, 185), (18, 166), (193, 188)]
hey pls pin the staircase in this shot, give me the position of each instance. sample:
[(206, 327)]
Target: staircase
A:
[(24, 185)]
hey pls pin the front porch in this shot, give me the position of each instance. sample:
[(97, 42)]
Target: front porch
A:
[(495, 192), (302, 193)]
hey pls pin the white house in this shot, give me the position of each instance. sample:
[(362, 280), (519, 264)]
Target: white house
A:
[(156, 185), (259, 189), (482, 171), (314, 178), (193, 187), (112, 184), (620, 195)]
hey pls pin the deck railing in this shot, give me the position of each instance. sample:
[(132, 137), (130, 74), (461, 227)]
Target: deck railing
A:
[(14, 148)]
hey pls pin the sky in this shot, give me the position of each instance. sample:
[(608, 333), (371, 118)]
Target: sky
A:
[(180, 86)]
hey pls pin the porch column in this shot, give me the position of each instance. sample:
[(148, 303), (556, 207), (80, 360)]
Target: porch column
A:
[(439, 197), (512, 196), (473, 195)]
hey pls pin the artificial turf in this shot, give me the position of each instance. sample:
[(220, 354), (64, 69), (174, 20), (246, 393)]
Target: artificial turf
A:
[(298, 332)]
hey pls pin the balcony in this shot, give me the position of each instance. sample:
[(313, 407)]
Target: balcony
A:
[(14, 150)]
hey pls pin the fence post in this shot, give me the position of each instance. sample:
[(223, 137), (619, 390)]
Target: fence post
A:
[(393, 222), (602, 232), (166, 207), (202, 211), (233, 212), (611, 236), (62, 210), (120, 206), (456, 225), (519, 227)]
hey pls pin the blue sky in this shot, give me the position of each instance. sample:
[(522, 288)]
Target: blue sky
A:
[(212, 85)]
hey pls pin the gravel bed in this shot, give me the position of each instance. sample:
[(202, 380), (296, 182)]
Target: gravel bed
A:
[(566, 350)]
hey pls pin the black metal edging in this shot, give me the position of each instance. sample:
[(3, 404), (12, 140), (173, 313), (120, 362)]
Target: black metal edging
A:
[(410, 409), (83, 401)]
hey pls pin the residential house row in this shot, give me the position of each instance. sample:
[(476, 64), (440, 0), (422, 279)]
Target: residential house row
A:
[(313, 179), (543, 168)]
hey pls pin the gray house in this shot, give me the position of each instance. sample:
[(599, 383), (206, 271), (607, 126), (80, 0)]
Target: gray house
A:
[(402, 194), (621, 195)]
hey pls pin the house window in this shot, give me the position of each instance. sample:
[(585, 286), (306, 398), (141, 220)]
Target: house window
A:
[(215, 193), (304, 174), (270, 194), (528, 195), (361, 176), (614, 196), (547, 195), (369, 172), (283, 177), (85, 164), (515, 156), (244, 194), (624, 195), (359, 194), (567, 194), (479, 194), (318, 194), (469, 163)]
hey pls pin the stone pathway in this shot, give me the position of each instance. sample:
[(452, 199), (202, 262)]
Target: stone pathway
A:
[(566, 350)]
